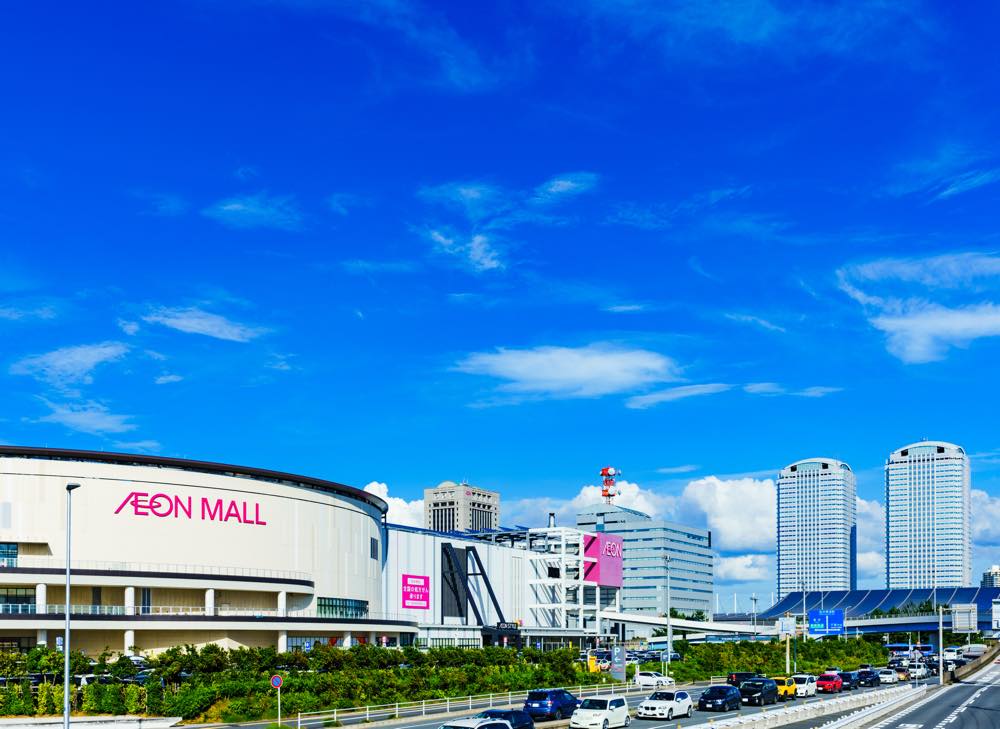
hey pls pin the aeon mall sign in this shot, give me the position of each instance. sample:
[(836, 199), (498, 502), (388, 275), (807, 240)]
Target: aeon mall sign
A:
[(166, 506)]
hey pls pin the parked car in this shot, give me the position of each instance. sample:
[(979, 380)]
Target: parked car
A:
[(868, 677), (550, 704), (665, 705), (735, 679), (829, 683), (601, 712), (516, 718), (720, 698), (888, 675), (759, 691), (652, 679), (476, 723), (787, 688), (849, 680), (805, 684)]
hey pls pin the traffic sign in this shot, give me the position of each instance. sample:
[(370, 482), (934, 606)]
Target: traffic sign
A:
[(276, 681), (965, 618), (826, 622)]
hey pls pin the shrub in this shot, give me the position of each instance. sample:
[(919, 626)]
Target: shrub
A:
[(189, 701), (92, 694), (113, 699), (135, 701), (154, 698)]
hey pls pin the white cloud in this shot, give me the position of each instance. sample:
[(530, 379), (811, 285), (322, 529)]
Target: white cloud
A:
[(69, 365), (87, 417), (563, 186), (477, 201), (686, 468), (361, 266), (871, 525), (818, 391), (625, 308), (871, 565), (764, 388), (162, 204), (567, 372), (129, 327), (17, 313), (756, 321), (641, 402), (256, 211), (167, 379), (477, 251), (985, 518), (743, 568), (950, 270), (342, 202), (535, 511), (952, 170), (741, 513), (401, 511), (925, 332), (192, 320), (141, 446)]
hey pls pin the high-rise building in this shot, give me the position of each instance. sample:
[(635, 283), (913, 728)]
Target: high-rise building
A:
[(460, 507), (647, 542), (927, 522), (991, 577), (817, 526)]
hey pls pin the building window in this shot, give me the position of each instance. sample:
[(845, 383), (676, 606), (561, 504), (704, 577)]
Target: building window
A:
[(339, 607), (145, 600), (374, 548), (17, 600), (8, 554)]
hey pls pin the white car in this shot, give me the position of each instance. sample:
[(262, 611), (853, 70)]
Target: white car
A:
[(601, 712), (665, 705), (888, 675), (652, 679), (475, 723), (919, 670), (805, 684)]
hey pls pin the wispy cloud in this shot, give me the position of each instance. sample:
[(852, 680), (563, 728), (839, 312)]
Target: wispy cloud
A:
[(22, 313), (571, 372), (774, 388), (162, 204), (361, 267), (952, 170), (89, 417), (818, 391), (686, 468), (192, 320), (625, 308), (658, 216), (167, 379), (128, 326), (277, 212), (138, 446), (563, 186), (641, 402), (341, 203), (69, 366), (478, 251), (756, 321)]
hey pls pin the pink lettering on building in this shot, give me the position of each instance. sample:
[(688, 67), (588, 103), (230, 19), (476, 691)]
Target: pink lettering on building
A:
[(416, 592), (603, 559), (166, 506)]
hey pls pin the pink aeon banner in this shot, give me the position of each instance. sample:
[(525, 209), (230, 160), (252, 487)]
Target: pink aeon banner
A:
[(416, 591), (606, 550)]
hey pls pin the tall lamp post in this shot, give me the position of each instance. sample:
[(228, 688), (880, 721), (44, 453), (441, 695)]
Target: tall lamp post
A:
[(70, 487), (670, 625)]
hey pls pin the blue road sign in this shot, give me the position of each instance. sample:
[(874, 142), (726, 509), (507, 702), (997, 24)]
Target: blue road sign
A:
[(826, 622)]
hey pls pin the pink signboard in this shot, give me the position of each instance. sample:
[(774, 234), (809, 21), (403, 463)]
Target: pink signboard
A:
[(416, 591), (603, 554)]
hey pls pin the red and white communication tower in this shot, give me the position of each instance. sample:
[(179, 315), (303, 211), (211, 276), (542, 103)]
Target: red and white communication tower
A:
[(609, 490)]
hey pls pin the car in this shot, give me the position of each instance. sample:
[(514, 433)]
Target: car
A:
[(865, 667), (760, 691), (918, 671), (787, 688), (720, 698), (829, 683), (805, 684), (868, 677), (849, 679), (550, 704), (476, 723), (516, 718), (903, 673), (652, 679), (888, 675), (604, 664), (833, 669), (602, 712), (735, 679), (950, 654), (665, 705)]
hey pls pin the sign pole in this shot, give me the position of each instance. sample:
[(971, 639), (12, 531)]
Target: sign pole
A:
[(276, 683), (788, 654)]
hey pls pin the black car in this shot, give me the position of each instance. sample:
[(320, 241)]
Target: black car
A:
[(516, 719), (759, 691), (720, 698), (850, 679), (867, 677), (735, 679)]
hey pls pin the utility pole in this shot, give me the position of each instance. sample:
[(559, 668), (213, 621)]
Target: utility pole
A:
[(941, 644), (670, 626), (753, 615)]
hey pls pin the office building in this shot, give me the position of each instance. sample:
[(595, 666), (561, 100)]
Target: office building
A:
[(927, 521), (817, 526), (646, 542), (991, 577), (461, 507)]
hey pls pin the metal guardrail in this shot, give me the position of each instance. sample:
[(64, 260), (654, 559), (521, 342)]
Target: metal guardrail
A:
[(27, 562)]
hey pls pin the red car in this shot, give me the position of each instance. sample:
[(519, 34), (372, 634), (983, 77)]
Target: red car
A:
[(830, 683)]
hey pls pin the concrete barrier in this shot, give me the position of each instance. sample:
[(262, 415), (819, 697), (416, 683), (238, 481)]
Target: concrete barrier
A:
[(92, 722), (969, 668)]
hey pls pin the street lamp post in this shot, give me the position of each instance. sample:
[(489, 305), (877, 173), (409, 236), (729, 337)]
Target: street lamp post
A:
[(670, 626), (70, 487)]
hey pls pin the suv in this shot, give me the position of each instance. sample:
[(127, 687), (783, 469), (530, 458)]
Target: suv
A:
[(476, 724), (550, 703), (603, 711), (759, 691), (735, 679), (517, 719), (652, 679), (850, 680), (719, 698), (805, 684), (829, 683), (787, 688), (868, 677)]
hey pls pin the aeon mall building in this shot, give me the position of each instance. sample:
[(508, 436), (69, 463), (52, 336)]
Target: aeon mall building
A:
[(171, 552), (168, 552)]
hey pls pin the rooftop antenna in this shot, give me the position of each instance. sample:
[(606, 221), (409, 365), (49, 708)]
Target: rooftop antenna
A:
[(609, 489)]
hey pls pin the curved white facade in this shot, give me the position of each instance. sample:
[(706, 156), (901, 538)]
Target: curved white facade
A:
[(167, 552)]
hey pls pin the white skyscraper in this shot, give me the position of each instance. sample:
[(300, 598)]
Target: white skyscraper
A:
[(817, 526), (927, 522)]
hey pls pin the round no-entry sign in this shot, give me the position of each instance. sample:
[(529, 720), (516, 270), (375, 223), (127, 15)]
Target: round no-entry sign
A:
[(276, 681)]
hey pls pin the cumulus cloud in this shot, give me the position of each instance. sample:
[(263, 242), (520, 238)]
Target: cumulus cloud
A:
[(871, 565), (641, 402), (87, 417), (985, 518), (193, 320), (922, 332), (740, 512), (571, 372), (68, 366), (743, 568), (401, 511), (535, 511), (277, 212)]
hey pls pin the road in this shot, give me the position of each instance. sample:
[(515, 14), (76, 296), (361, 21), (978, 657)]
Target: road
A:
[(972, 704)]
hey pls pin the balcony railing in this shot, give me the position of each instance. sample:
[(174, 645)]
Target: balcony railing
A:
[(28, 562), (17, 608), (197, 610)]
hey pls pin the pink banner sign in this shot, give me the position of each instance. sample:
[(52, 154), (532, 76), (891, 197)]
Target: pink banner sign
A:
[(416, 591), (603, 553)]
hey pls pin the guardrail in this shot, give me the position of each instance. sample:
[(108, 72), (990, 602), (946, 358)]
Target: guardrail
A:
[(448, 705)]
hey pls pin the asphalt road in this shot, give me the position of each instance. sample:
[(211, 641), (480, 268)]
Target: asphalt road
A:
[(972, 704)]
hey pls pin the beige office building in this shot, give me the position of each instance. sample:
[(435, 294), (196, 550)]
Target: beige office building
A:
[(461, 507)]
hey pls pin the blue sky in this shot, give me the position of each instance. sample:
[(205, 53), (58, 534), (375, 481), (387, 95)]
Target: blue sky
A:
[(405, 242)]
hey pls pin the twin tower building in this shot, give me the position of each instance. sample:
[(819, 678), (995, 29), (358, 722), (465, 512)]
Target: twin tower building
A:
[(927, 529)]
